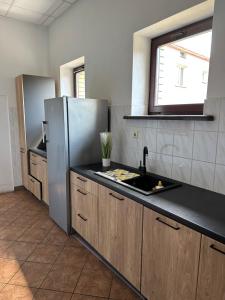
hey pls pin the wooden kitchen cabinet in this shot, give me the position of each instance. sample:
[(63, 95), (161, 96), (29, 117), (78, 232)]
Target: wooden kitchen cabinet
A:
[(211, 281), (84, 183), (170, 259), (36, 166), (85, 214), (120, 233), (44, 180), (34, 186)]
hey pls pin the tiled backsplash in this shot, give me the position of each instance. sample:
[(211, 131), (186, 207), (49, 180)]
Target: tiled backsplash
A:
[(189, 151)]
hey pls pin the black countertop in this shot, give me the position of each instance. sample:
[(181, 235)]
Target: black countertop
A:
[(199, 209), (39, 152)]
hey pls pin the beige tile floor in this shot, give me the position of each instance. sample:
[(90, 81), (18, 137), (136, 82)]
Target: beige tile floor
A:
[(39, 261)]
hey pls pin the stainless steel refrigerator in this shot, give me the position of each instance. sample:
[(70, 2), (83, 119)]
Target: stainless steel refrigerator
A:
[(72, 133)]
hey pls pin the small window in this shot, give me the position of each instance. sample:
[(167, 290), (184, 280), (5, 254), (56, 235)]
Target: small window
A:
[(179, 69), (79, 82)]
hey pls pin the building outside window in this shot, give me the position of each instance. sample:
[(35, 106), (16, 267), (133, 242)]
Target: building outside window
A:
[(179, 70)]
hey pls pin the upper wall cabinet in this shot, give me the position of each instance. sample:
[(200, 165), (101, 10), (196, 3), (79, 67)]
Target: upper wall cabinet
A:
[(170, 259), (211, 282), (120, 233)]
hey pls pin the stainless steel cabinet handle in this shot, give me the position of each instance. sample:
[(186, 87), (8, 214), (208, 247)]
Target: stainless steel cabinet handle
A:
[(79, 191), (83, 218), (165, 223), (81, 179), (216, 249), (114, 196)]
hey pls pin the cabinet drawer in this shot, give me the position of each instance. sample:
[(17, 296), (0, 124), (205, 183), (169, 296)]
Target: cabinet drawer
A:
[(34, 169), (34, 187), (35, 166), (34, 157), (84, 183), (84, 214)]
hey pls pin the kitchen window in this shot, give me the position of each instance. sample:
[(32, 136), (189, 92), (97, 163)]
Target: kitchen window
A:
[(79, 82), (179, 70)]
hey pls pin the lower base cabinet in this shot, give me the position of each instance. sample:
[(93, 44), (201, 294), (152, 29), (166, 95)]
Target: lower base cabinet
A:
[(211, 282), (120, 233), (44, 180), (170, 259), (85, 215), (34, 186)]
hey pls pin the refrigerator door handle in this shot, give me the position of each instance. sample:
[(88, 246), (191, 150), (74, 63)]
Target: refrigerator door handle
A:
[(44, 131)]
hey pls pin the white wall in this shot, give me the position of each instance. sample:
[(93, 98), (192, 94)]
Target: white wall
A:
[(23, 50), (6, 174), (217, 68), (102, 31)]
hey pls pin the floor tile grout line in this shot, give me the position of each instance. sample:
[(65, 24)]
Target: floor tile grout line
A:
[(82, 269)]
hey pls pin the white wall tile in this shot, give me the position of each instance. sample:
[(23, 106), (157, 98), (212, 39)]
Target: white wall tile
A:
[(161, 164), (202, 174), (183, 143), (165, 141), (168, 124), (211, 107), (181, 169), (222, 116), (219, 185), (220, 158), (149, 137), (205, 144)]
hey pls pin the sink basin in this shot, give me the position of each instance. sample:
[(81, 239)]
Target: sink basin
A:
[(146, 184)]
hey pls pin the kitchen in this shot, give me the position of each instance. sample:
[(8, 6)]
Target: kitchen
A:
[(171, 244)]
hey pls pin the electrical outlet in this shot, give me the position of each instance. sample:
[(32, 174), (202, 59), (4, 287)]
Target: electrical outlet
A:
[(135, 134)]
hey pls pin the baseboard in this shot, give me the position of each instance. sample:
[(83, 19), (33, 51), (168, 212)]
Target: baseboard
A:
[(19, 188)]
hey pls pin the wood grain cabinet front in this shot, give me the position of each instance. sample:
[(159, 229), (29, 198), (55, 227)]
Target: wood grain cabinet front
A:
[(85, 215), (24, 167), (44, 180), (84, 183), (120, 233), (35, 166), (211, 281), (34, 186), (170, 259)]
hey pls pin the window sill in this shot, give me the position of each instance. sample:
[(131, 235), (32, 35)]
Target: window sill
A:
[(171, 117)]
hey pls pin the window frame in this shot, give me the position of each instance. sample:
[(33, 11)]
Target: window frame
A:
[(75, 72), (180, 109)]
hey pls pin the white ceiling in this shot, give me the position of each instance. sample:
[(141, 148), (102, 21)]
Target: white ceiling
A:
[(35, 11)]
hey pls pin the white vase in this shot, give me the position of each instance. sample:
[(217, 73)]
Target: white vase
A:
[(106, 162)]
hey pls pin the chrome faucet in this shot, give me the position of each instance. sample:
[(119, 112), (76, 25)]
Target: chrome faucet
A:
[(145, 153)]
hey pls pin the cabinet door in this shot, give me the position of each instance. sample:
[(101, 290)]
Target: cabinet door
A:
[(20, 111), (44, 180), (24, 167), (85, 214), (170, 259), (120, 233), (211, 282)]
